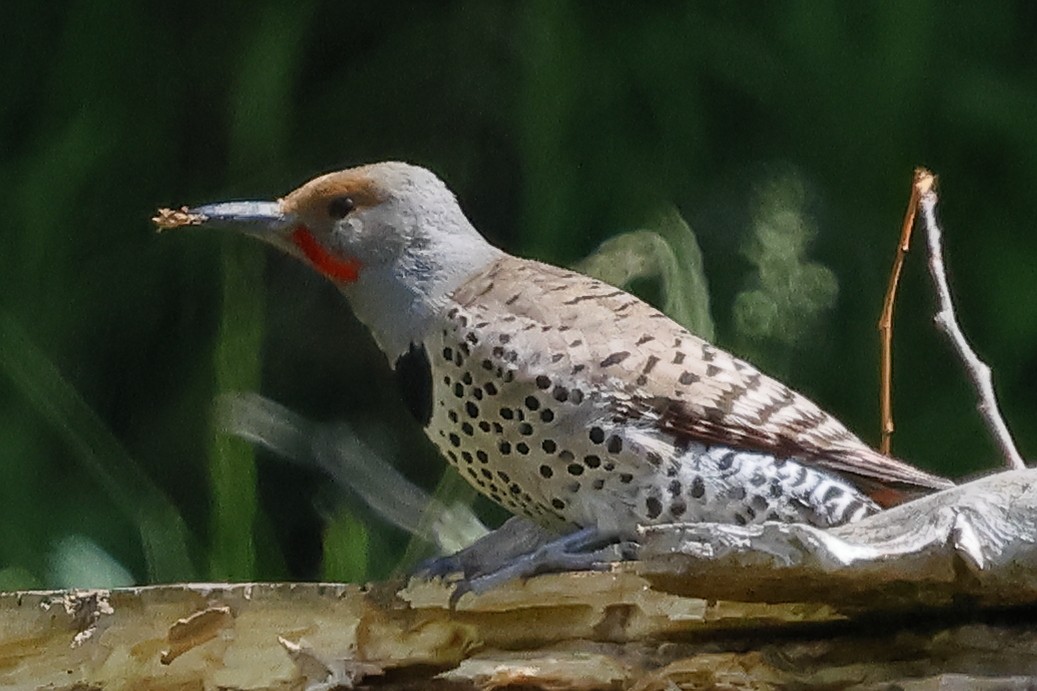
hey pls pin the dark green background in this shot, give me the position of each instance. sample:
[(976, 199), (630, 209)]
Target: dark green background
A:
[(558, 124)]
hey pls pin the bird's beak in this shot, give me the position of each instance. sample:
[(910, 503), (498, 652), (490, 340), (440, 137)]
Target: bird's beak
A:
[(262, 220), (269, 222)]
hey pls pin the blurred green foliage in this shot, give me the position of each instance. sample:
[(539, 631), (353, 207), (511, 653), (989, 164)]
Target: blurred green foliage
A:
[(559, 125)]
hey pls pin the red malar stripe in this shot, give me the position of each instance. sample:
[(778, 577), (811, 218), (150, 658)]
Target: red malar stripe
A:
[(335, 268)]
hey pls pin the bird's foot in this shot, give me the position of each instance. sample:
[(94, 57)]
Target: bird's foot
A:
[(516, 537), (587, 549), (521, 550)]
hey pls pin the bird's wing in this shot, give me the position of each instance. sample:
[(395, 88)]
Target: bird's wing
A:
[(656, 372)]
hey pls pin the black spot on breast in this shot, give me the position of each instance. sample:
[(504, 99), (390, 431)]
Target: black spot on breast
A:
[(414, 381)]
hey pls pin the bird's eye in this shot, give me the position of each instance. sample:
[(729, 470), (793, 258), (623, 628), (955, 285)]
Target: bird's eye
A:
[(339, 207)]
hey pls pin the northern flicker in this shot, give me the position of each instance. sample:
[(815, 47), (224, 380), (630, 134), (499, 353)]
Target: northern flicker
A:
[(562, 398)]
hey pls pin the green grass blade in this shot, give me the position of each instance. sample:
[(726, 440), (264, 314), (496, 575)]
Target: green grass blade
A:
[(261, 109), (232, 467), (346, 544)]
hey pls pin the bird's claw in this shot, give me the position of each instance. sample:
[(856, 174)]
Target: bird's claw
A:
[(587, 549), (438, 567)]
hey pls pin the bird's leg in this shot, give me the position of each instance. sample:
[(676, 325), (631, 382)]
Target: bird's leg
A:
[(517, 537), (586, 549)]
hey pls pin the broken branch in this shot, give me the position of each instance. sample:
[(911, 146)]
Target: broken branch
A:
[(946, 320), (886, 319)]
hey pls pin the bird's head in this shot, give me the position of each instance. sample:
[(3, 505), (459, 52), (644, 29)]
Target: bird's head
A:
[(347, 222), (390, 235)]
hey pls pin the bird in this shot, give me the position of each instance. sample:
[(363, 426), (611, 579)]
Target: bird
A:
[(568, 401)]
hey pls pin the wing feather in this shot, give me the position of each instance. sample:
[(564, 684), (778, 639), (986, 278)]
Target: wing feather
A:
[(654, 371)]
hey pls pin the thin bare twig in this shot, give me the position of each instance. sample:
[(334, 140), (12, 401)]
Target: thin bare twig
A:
[(946, 321), (886, 319)]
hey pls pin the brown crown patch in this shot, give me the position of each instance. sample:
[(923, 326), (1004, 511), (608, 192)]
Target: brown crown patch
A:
[(312, 198)]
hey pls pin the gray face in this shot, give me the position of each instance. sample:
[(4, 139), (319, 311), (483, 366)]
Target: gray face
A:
[(375, 236)]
